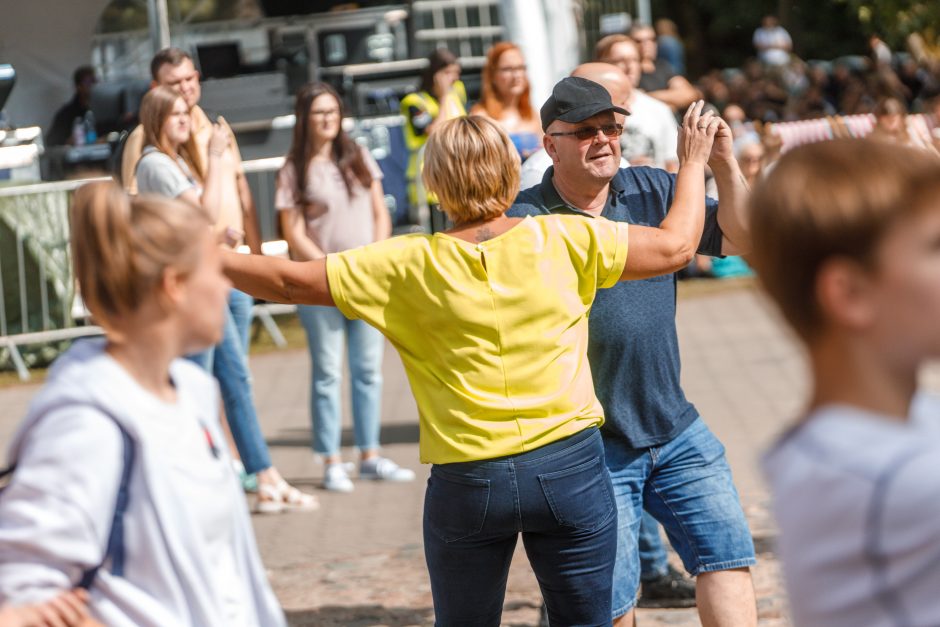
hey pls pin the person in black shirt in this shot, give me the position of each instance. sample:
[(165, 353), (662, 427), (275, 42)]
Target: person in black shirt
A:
[(659, 79), (60, 132)]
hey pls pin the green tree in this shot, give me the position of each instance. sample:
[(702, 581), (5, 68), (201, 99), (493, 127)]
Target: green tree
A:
[(895, 20), (718, 33), (125, 15)]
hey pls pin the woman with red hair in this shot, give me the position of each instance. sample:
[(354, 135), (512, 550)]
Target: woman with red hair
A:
[(505, 98)]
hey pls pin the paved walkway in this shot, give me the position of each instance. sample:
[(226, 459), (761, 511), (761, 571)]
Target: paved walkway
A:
[(358, 561)]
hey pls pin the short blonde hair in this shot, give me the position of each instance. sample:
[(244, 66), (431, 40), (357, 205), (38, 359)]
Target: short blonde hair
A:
[(832, 199), (121, 246), (473, 167)]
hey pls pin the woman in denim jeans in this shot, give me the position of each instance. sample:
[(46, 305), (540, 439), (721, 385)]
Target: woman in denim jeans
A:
[(170, 166), (490, 320), (336, 203)]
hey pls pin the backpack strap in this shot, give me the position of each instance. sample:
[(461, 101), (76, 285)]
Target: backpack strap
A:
[(115, 549)]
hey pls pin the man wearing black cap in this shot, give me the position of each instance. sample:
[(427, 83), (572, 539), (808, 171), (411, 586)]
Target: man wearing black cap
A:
[(660, 454)]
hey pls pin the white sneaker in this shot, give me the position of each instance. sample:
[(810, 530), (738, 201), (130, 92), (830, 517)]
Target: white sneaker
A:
[(384, 469), (336, 479)]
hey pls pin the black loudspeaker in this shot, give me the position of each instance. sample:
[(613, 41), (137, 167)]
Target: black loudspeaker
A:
[(7, 80)]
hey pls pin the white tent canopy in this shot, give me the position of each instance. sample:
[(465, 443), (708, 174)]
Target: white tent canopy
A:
[(45, 40)]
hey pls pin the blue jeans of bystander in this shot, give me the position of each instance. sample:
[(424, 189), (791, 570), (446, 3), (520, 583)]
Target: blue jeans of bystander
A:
[(328, 332), (228, 362)]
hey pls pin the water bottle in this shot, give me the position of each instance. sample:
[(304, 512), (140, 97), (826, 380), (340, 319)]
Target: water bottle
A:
[(91, 135), (78, 132)]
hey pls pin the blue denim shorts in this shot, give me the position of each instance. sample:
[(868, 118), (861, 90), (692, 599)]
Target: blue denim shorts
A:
[(686, 485)]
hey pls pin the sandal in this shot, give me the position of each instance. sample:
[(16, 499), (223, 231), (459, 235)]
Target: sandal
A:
[(296, 501), (274, 499)]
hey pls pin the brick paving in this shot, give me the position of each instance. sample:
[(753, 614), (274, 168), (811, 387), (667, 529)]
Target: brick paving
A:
[(358, 561)]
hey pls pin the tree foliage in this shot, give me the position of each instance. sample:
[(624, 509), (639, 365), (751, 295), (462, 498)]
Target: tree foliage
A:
[(895, 20), (718, 33), (125, 15)]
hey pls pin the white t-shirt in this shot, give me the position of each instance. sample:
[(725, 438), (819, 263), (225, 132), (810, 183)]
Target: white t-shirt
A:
[(857, 500), (650, 133), (773, 45), (202, 479)]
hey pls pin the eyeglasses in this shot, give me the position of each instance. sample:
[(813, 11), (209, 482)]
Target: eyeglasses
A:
[(322, 113), (512, 69), (590, 132)]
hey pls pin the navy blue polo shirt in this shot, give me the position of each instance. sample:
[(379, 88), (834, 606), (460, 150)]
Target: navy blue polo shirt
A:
[(632, 344)]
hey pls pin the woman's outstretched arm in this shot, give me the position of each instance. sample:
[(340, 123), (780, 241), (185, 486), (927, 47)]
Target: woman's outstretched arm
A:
[(279, 280)]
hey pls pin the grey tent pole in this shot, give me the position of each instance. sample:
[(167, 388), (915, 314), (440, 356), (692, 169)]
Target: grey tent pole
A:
[(643, 13), (159, 24)]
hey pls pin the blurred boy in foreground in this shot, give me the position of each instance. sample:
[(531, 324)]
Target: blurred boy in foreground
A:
[(847, 243)]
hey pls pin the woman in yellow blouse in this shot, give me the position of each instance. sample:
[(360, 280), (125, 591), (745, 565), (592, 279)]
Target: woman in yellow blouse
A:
[(490, 319)]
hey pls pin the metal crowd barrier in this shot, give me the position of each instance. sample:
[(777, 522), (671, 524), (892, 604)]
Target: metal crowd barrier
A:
[(37, 296), (38, 300)]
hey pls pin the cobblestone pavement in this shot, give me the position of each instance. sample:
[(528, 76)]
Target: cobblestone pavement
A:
[(358, 561)]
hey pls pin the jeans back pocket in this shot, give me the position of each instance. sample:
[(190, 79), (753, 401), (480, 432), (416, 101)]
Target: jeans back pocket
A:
[(581, 496), (455, 506)]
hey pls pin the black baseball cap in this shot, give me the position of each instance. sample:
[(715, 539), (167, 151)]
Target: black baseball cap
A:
[(575, 99)]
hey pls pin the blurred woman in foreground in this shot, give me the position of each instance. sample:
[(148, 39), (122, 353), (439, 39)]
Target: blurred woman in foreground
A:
[(123, 484)]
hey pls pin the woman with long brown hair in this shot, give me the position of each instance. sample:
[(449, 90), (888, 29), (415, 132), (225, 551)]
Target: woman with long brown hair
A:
[(170, 167), (170, 164), (329, 198), (505, 98)]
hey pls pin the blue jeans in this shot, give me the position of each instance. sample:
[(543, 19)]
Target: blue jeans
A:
[(328, 332), (654, 563), (558, 496), (228, 362), (686, 485)]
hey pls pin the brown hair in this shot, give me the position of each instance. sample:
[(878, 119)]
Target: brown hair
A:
[(347, 154), (121, 246), (472, 166), (489, 98), (604, 46), (890, 106), (437, 61), (155, 108), (167, 56), (831, 199)]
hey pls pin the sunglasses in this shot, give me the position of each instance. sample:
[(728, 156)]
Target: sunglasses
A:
[(589, 132)]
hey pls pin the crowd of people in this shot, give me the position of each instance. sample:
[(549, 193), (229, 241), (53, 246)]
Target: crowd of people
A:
[(536, 325)]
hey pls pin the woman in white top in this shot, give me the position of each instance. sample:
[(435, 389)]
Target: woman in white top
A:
[(171, 167), (329, 198), (123, 424)]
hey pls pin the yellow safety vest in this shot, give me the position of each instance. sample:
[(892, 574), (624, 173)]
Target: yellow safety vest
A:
[(414, 141)]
